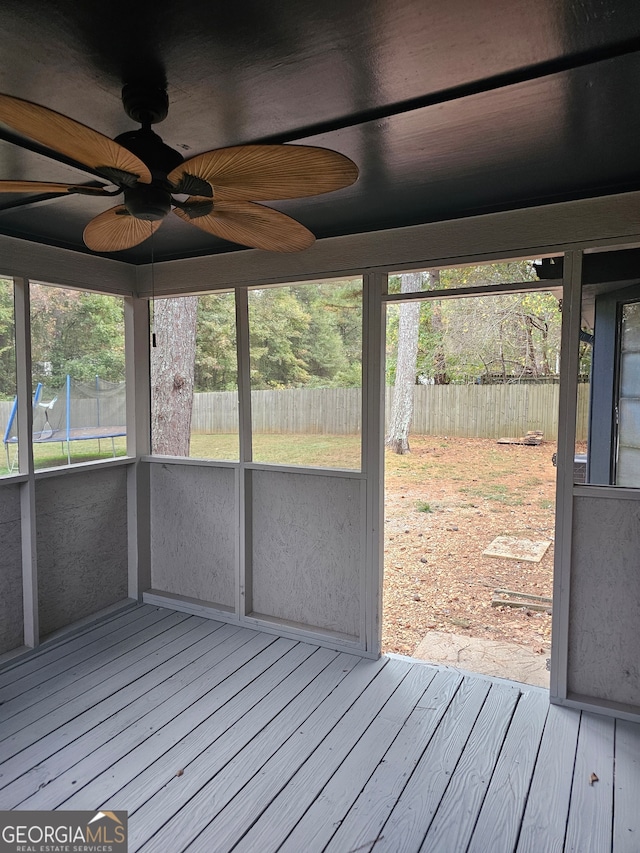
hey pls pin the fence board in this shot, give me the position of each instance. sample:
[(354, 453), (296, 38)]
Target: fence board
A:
[(482, 411)]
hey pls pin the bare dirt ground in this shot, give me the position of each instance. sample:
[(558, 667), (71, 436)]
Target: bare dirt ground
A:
[(445, 503)]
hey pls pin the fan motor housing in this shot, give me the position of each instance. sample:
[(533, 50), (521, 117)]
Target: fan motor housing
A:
[(145, 102), (154, 153), (148, 201)]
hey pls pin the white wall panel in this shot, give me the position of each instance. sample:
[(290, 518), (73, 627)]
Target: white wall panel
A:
[(11, 611), (307, 549), (65, 267), (81, 534), (194, 531), (522, 233), (604, 615)]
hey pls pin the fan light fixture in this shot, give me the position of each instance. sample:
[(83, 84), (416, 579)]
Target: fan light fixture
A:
[(216, 191)]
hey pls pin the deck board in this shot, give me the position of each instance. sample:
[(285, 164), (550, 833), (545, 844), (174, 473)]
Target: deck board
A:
[(217, 738), (626, 814), (221, 765), (152, 763), (375, 802), (250, 735), (261, 769), (545, 819), (455, 818), (45, 657), (56, 726), (97, 665), (116, 736), (43, 715), (589, 826), (411, 817), (502, 809), (312, 821)]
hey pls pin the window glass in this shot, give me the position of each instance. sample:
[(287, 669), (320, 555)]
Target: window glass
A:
[(306, 373), (628, 444), (9, 463), (474, 275), (78, 376), (507, 343), (480, 340), (473, 366), (194, 377), (608, 428), (583, 471)]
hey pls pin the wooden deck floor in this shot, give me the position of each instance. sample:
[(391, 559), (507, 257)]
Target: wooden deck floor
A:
[(218, 738)]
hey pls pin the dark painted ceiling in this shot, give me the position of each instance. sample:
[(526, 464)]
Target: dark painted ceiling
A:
[(449, 109)]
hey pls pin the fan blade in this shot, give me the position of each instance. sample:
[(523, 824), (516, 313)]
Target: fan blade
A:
[(265, 172), (40, 187), (116, 229), (70, 138), (250, 225)]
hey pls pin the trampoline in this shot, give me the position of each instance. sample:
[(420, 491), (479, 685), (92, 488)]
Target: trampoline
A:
[(80, 411)]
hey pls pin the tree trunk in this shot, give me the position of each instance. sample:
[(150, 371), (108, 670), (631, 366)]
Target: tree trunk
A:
[(503, 363), (402, 408), (439, 360), (546, 367), (531, 350), (172, 369)]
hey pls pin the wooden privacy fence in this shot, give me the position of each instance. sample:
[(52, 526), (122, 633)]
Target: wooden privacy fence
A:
[(482, 411), (335, 411), (491, 411)]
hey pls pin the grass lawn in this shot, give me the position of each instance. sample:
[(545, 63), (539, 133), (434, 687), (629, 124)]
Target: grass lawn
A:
[(444, 503), (324, 451), (329, 451), (55, 454)]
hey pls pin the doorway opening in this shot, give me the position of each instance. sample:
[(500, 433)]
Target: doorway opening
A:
[(472, 359)]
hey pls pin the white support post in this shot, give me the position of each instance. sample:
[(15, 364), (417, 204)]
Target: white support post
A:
[(136, 326), (569, 350), (244, 603), (25, 458), (136, 336), (373, 342)]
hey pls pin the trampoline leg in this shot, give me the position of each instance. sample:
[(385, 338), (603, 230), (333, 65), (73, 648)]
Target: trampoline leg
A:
[(68, 453), (113, 446)]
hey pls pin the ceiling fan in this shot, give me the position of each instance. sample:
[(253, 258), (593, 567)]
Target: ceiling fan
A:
[(216, 191)]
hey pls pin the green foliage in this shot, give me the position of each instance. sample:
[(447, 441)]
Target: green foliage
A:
[(423, 506), (215, 366), (332, 340), (482, 338), (306, 336), (7, 345), (76, 333), (301, 336), (277, 324), (81, 334)]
